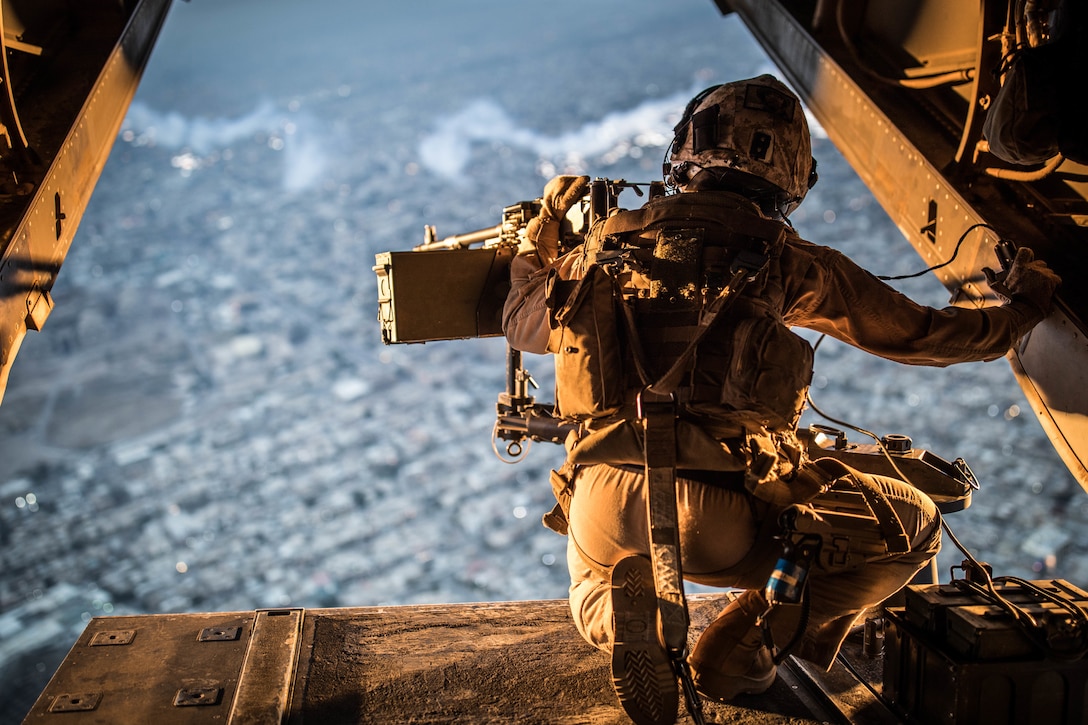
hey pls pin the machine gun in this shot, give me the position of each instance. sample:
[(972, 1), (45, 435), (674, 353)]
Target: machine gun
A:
[(454, 288)]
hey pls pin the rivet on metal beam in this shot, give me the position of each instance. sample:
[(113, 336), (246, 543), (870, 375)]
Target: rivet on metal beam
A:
[(121, 636), (219, 634), (198, 696), (75, 702)]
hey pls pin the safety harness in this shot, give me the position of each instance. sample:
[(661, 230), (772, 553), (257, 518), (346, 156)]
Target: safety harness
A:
[(657, 282), (657, 415), (679, 278)]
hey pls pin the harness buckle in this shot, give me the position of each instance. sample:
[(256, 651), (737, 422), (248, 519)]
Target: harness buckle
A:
[(647, 401)]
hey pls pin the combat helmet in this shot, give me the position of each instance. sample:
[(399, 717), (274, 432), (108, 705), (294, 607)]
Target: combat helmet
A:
[(753, 131)]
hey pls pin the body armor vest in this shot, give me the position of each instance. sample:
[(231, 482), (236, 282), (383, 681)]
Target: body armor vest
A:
[(649, 276)]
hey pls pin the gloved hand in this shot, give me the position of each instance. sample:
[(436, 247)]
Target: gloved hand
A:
[(1030, 280), (542, 231)]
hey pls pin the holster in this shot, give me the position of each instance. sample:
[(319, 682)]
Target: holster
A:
[(558, 519), (854, 518)]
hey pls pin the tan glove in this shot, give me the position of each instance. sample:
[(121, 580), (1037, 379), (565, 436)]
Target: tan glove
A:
[(542, 231), (1031, 280)]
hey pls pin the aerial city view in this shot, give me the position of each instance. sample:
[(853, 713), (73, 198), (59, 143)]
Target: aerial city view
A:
[(210, 421)]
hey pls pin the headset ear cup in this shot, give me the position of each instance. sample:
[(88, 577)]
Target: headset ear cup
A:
[(675, 175)]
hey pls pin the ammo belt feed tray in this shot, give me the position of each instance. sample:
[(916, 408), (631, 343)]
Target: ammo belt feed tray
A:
[(953, 657)]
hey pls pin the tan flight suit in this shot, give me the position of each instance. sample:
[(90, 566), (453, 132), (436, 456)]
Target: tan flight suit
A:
[(725, 531)]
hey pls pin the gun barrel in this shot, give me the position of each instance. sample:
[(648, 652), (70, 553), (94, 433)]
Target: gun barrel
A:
[(463, 241)]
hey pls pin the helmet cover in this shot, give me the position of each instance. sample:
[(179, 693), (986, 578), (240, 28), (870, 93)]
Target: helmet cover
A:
[(755, 126)]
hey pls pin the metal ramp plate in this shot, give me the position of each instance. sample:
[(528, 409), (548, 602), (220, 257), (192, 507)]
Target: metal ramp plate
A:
[(520, 662)]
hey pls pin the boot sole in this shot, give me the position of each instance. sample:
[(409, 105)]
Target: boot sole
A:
[(642, 674)]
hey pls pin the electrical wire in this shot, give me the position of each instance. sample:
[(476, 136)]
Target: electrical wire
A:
[(976, 571), (945, 263)]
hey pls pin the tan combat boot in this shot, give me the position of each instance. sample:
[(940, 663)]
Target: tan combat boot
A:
[(730, 658)]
